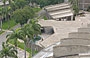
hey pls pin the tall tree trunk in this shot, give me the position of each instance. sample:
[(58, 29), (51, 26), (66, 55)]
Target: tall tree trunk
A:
[(16, 47), (25, 50), (5, 56), (32, 48), (1, 24)]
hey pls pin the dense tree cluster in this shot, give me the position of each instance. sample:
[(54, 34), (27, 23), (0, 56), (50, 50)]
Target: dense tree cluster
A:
[(8, 51), (26, 33), (22, 15), (21, 12), (43, 3)]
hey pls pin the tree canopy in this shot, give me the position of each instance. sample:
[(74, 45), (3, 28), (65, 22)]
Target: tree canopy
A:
[(43, 3), (8, 51), (22, 15)]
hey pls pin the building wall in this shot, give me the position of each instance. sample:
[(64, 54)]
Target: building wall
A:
[(67, 50), (83, 4), (79, 35), (75, 41)]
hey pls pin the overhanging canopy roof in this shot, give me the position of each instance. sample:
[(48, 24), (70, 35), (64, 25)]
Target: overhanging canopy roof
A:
[(62, 15), (60, 12)]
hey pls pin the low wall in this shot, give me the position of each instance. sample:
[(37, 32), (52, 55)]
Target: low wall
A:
[(83, 29), (75, 41), (34, 47), (74, 56), (88, 25), (66, 50), (79, 35)]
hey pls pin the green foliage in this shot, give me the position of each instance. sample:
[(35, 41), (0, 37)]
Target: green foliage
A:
[(14, 36), (8, 24), (8, 51), (20, 45), (4, 1), (1, 32), (25, 33), (75, 6), (22, 15), (20, 3), (13, 6), (45, 18), (0, 11), (43, 3), (36, 9), (35, 26)]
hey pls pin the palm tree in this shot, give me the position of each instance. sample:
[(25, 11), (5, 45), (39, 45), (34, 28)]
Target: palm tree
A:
[(26, 33), (4, 8), (34, 32), (29, 31), (13, 35), (23, 37), (1, 16), (36, 27), (4, 2), (8, 51), (75, 6)]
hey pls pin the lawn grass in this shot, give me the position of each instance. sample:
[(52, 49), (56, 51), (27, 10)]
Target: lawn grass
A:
[(1, 32), (20, 45), (36, 9), (45, 18), (8, 24)]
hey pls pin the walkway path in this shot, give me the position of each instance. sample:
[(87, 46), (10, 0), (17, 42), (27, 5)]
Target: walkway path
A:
[(3, 39)]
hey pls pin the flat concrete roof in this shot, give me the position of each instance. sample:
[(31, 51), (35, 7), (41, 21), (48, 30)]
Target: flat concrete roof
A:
[(61, 28)]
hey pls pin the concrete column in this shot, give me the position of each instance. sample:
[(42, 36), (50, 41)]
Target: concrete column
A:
[(61, 19), (83, 4), (72, 18)]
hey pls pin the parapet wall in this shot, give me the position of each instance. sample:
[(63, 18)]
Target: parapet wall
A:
[(79, 35), (75, 41), (84, 30), (67, 50)]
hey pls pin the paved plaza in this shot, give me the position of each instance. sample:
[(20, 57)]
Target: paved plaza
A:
[(61, 29)]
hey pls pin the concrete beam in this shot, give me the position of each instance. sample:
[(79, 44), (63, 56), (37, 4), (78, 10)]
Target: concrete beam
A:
[(83, 29), (88, 25), (79, 35), (75, 41), (67, 50)]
